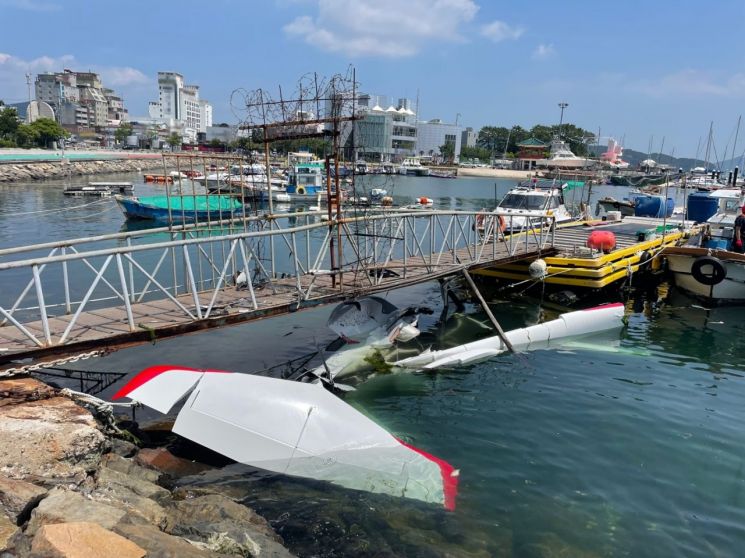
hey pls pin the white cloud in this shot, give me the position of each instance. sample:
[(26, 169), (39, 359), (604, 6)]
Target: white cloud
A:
[(499, 31), (692, 83), (382, 27), (544, 52), (13, 74), (116, 76)]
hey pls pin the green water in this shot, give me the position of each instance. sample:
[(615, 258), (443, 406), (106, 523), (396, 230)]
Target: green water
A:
[(632, 446)]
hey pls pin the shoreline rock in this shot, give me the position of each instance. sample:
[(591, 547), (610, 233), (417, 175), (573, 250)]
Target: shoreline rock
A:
[(64, 493), (19, 172)]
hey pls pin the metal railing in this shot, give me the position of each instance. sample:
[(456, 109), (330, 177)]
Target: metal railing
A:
[(189, 266)]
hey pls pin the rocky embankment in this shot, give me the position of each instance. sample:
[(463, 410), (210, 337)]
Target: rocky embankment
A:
[(20, 172), (67, 489)]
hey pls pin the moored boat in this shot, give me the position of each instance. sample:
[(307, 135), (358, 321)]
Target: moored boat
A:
[(531, 201), (560, 156), (706, 266), (180, 208)]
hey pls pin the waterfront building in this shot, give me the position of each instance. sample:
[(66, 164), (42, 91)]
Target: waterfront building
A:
[(530, 151), (433, 134), (117, 113), (468, 138), (386, 130), (223, 134), (179, 107), (79, 99)]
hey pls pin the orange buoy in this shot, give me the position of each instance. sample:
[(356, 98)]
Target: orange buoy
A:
[(425, 201), (602, 240)]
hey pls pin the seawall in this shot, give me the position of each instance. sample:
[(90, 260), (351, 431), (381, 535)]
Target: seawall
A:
[(42, 170)]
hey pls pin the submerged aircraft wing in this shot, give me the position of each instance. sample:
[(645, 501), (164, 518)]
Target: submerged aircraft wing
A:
[(555, 332), (293, 428)]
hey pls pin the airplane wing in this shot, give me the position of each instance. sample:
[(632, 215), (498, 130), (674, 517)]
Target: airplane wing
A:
[(293, 428)]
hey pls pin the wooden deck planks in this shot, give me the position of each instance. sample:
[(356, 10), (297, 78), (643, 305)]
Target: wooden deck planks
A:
[(98, 326)]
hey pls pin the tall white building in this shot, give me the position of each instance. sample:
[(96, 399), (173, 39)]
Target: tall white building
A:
[(205, 115), (179, 106), (434, 133)]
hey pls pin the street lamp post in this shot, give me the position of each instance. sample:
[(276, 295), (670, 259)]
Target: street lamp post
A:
[(562, 106)]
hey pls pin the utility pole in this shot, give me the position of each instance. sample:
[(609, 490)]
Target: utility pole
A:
[(562, 106)]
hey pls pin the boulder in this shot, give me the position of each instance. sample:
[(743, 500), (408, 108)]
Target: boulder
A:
[(52, 439), (18, 498), (161, 545), (123, 447), (214, 518), (21, 390), (129, 467), (8, 531), (163, 460), (144, 488), (62, 506), (120, 496), (82, 540)]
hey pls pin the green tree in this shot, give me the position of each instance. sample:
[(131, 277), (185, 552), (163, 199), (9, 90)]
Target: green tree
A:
[(122, 132), (447, 150), (26, 136), (479, 153), (174, 140), (47, 131), (8, 122)]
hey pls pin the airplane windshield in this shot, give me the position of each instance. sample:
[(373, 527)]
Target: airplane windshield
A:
[(523, 201)]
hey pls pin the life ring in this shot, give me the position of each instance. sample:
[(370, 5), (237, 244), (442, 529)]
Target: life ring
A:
[(502, 224), (300, 191), (717, 274)]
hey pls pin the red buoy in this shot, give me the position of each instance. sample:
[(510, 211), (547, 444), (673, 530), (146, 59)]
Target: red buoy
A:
[(602, 240)]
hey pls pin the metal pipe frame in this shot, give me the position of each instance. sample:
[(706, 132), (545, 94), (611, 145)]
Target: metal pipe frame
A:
[(412, 239)]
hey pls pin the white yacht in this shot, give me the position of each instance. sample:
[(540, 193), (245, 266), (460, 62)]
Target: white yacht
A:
[(561, 157), (413, 166)]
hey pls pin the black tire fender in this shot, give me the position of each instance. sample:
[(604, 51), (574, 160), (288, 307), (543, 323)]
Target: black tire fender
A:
[(718, 271)]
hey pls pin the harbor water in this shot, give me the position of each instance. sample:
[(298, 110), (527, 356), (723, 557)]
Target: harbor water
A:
[(631, 446)]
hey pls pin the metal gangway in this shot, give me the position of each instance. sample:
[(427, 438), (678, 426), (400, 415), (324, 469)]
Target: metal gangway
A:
[(94, 293)]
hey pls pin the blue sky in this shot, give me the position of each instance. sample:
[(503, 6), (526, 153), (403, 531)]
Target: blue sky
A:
[(633, 68)]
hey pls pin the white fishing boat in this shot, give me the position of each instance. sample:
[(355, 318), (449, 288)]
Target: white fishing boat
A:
[(532, 201), (706, 266), (561, 157)]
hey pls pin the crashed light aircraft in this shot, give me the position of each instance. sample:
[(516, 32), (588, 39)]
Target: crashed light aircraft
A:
[(302, 429)]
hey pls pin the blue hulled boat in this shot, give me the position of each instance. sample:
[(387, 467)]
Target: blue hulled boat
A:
[(185, 209)]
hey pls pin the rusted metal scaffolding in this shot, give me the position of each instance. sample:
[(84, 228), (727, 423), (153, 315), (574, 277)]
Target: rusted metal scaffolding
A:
[(316, 109)]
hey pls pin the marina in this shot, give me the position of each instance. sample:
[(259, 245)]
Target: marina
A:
[(419, 281), (382, 394)]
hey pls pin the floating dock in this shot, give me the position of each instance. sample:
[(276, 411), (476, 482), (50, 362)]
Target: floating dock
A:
[(638, 243), (102, 189)]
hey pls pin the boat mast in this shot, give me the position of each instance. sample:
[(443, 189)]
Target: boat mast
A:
[(737, 133)]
